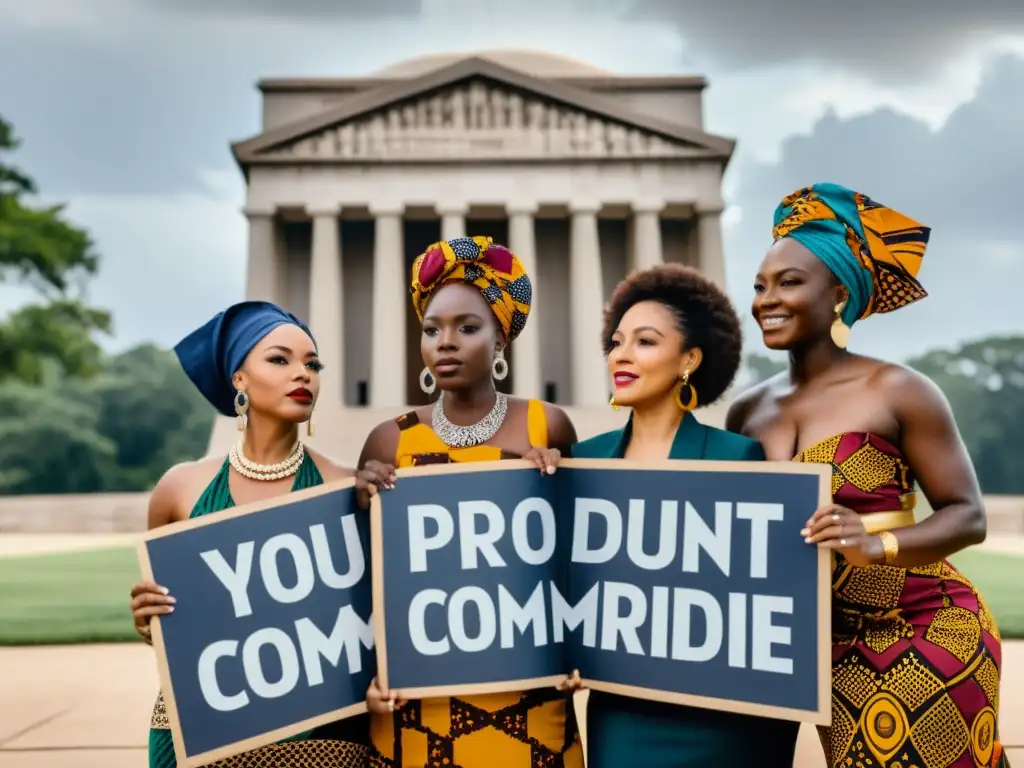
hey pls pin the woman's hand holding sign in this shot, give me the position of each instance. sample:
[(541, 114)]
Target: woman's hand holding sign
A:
[(149, 600), (546, 459), (371, 478), (572, 683), (379, 701), (839, 528)]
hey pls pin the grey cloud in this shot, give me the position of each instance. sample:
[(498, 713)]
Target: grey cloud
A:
[(963, 181), (294, 9), (150, 102), (900, 41)]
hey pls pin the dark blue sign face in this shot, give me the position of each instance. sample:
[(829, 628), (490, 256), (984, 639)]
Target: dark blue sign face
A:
[(694, 582), (679, 581), (272, 624), (470, 562)]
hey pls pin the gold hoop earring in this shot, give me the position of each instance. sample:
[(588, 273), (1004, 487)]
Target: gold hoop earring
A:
[(840, 331), (691, 399), (241, 410), (613, 404)]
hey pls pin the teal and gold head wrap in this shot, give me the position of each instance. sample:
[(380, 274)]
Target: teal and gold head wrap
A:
[(874, 251)]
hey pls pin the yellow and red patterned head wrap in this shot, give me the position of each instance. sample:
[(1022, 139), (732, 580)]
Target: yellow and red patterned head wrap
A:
[(480, 262)]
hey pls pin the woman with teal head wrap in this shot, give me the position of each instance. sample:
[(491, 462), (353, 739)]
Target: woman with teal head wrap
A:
[(259, 363), (873, 251), (915, 651)]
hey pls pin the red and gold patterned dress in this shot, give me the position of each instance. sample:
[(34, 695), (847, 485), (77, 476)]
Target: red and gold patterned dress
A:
[(517, 729), (915, 651)]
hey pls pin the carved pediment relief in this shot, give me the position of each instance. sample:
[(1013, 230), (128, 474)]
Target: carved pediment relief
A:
[(478, 120)]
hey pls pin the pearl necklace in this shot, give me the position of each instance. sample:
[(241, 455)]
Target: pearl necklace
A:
[(254, 471), (455, 436)]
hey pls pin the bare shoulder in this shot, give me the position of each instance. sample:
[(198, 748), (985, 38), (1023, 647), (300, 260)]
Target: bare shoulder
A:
[(561, 430), (747, 403), (177, 491), (330, 470), (381, 444), (909, 391)]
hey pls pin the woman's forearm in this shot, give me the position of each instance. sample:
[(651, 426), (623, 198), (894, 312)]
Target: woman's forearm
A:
[(946, 532)]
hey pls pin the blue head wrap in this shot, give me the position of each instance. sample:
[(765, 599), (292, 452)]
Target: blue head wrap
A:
[(213, 353), (874, 251)]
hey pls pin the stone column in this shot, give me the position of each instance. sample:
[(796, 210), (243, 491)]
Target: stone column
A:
[(263, 269), (586, 299), (710, 255), (526, 369), (647, 248), (453, 222), (326, 312), (387, 356)]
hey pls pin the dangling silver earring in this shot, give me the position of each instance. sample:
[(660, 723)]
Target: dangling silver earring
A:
[(427, 381), (499, 368), (242, 410)]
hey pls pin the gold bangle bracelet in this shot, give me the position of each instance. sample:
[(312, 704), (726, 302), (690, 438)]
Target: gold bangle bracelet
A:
[(890, 544)]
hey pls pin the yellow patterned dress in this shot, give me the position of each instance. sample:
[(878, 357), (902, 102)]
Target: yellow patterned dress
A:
[(519, 729), (915, 651)]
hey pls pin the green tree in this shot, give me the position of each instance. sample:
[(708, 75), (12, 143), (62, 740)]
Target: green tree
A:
[(984, 383), (147, 407), (40, 248), (116, 431), (761, 367)]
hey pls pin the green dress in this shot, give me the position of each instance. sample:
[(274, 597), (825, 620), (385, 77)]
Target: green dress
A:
[(341, 744), (623, 731)]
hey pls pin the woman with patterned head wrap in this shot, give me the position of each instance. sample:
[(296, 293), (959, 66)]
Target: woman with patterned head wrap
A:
[(915, 650), (258, 363), (473, 299)]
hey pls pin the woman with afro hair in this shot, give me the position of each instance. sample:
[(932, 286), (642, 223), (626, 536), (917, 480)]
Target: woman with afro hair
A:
[(673, 342)]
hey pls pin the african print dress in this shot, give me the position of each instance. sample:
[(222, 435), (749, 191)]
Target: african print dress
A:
[(338, 745), (915, 651), (518, 729)]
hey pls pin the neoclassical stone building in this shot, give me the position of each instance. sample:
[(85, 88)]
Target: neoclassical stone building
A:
[(584, 174)]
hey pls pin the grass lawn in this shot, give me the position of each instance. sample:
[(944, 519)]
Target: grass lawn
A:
[(82, 597), (74, 597)]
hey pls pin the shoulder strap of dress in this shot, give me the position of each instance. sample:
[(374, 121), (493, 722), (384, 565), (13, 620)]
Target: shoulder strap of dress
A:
[(217, 494), (537, 424)]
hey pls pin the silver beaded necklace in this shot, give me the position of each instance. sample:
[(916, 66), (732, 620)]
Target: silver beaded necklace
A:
[(455, 436)]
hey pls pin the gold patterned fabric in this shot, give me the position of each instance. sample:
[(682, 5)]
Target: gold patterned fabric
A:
[(915, 651)]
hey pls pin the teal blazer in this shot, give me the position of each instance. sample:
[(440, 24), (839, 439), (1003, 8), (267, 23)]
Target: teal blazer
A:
[(693, 440), (624, 731)]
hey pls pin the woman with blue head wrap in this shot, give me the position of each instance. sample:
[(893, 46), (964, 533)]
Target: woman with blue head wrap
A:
[(258, 363), (915, 651)]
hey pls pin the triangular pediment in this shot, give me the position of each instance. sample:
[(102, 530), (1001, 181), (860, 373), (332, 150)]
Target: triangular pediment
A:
[(478, 111)]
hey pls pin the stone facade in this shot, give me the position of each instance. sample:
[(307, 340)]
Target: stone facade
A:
[(585, 175)]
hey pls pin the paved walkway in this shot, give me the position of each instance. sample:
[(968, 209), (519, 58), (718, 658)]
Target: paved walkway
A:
[(89, 705)]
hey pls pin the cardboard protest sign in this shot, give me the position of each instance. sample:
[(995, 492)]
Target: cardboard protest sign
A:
[(272, 631), (685, 582)]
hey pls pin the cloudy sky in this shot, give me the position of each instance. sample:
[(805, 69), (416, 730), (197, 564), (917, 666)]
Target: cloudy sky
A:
[(126, 109)]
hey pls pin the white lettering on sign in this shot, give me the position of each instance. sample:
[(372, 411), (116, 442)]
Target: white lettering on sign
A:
[(303, 653), (480, 525), (623, 614), (677, 623), (310, 562)]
